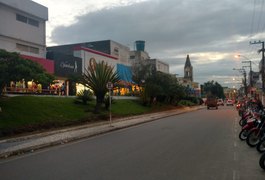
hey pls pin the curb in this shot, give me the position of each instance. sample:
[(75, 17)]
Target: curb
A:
[(31, 143)]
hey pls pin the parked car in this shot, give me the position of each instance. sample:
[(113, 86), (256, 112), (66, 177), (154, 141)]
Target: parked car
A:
[(220, 102), (229, 102)]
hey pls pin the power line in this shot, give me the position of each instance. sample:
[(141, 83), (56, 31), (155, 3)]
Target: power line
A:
[(253, 17), (260, 15)]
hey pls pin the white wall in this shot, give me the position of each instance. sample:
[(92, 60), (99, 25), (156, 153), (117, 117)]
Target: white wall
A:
[(86, 56), (162, 67), (28, 6), (9, 44), (13, 31), (123, 52), (10, 27)]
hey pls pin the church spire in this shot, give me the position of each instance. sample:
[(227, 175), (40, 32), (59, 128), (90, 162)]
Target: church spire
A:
[(188, 70), (188, 64)]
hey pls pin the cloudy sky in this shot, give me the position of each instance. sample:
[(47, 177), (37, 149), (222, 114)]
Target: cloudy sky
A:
[(212, 32)]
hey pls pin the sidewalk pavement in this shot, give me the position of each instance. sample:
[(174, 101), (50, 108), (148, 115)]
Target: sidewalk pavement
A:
[(30, 143)]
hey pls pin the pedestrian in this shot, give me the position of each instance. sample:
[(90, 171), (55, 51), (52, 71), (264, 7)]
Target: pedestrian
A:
[(63, 89)]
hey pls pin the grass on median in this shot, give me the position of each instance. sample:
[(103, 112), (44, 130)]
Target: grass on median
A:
[(31, 113)]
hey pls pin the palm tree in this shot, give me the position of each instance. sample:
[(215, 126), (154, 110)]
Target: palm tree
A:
[(96, 77)]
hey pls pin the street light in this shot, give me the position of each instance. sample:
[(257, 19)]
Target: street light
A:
[(250, 67)]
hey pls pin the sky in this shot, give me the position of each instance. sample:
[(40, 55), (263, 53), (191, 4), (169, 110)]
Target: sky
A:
[(212, 32)]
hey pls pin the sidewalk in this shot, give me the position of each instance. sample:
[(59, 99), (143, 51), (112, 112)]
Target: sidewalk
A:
[(30, 143)]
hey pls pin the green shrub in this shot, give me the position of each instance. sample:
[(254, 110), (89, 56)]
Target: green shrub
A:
[(185, 103), (84, 96)]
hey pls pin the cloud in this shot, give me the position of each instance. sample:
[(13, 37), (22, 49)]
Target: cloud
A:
[(210, 31)]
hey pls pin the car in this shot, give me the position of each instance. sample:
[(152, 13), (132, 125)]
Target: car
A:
[(211, 102), (229, 102), (220, 102)]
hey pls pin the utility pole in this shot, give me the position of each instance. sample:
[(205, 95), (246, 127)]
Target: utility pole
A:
[(250, 72), (262, 68)]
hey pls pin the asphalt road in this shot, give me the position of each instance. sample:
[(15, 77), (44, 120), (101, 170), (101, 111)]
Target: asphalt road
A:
[(200, 145)]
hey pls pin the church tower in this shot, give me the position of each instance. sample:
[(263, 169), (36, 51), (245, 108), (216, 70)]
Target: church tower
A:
[(188, 70)]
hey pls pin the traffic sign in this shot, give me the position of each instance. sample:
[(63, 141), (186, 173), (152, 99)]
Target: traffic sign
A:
[(109, 85)]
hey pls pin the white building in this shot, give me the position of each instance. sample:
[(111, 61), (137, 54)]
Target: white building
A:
[(159, 65), (22, 27)]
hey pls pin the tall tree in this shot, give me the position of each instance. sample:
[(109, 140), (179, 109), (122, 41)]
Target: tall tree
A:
[(96, 77), (168, 89), (213, 88), (14, 68), (141, 71)]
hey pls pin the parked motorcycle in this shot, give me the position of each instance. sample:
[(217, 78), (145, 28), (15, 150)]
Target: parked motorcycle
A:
[(251, 123), (246, 115), (262, 161), (256, 133), (261, 145)]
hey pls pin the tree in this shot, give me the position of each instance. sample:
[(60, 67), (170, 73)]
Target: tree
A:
[(15, 68), (167, 87), (213, 88), (96, 77), (141, 71)]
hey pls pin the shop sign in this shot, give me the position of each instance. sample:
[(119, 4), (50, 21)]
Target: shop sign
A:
[(67, 65)]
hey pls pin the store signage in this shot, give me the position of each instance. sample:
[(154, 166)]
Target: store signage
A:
[(67, 65)]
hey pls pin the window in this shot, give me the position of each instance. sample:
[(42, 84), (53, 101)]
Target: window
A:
[(33, 22), (22, 47), (34, 50), (22, 18), (27, 20), (26, 48)]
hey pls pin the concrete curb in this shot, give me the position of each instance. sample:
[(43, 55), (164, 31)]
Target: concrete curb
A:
[(31, 143)]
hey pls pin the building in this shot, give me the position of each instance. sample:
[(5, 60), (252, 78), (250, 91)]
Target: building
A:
[(113, 53), (140, 56), (23, 30), (23, 27), (188, 70), (192, 88)]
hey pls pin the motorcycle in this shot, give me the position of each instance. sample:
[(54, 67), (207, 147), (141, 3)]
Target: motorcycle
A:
[(261, 145), (256, 133), (246, 115), (262, 161), (251, 123)]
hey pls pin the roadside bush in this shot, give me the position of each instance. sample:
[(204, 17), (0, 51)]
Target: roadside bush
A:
[(84, 96), (185, 103)]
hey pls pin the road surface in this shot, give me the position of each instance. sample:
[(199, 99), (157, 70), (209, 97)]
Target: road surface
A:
[(200, 145)]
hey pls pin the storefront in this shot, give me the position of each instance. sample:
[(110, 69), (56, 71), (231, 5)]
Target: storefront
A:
[(66, 69), (32, 86)]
